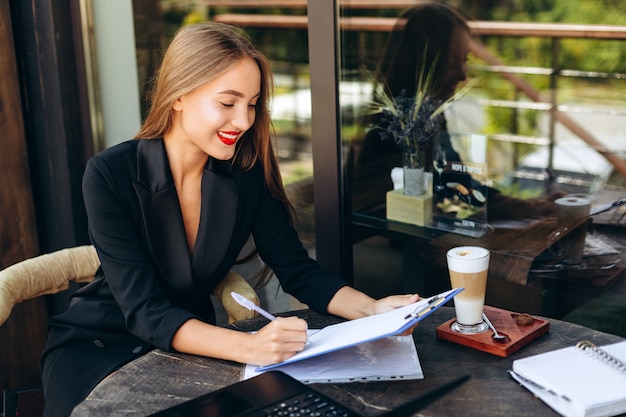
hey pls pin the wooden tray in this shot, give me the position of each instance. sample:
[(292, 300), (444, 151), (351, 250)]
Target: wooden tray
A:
[(504, 322)]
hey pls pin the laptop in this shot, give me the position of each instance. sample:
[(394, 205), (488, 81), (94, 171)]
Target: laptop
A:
[(274, 393)]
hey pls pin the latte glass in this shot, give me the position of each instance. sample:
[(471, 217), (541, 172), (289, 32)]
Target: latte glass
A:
[(468, 267)]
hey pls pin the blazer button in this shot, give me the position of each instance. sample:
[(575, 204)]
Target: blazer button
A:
[(98, 343), (138, 349)]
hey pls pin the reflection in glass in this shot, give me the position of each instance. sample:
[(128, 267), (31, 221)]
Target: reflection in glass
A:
[(439, 163)]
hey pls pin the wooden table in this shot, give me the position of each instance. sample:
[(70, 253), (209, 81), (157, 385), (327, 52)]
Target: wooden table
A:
[(159, 380)]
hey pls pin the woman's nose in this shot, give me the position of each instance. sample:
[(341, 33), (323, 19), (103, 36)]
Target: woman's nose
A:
[(244, 118)]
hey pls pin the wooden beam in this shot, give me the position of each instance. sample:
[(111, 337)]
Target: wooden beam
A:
[(302, 4), (479, 28), (548, 30), (263, 21)]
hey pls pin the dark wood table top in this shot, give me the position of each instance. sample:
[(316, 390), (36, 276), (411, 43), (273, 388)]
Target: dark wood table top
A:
[(159, 379)]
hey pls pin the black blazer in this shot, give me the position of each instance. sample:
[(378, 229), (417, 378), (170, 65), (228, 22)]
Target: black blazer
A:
[(148, 284)]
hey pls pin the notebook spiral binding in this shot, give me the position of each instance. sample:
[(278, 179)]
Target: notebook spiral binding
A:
[(591, 349)]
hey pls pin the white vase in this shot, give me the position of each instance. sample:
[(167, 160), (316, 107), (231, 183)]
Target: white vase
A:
[(413, 166)]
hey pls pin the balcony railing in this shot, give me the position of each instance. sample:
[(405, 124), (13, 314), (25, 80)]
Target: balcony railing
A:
[(529, 97)]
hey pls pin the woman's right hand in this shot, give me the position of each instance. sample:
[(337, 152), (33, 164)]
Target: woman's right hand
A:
[(277, 341)]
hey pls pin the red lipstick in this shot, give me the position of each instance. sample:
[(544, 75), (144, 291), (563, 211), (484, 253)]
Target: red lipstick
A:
[(228, 138)]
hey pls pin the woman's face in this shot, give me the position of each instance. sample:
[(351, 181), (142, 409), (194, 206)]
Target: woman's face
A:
[(216, 115), (455, 68)]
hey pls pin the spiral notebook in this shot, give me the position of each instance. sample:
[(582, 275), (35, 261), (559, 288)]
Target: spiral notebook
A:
[(578, 381)]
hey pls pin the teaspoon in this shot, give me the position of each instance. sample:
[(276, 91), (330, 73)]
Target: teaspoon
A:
[(496, 336)]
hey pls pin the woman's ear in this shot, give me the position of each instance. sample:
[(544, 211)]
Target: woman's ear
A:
[(178, 104)]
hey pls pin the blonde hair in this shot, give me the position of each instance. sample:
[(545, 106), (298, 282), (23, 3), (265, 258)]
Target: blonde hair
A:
[(200, 53)]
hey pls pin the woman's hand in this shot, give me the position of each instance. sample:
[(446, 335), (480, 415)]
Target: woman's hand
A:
[(277, 341), (351, 303), (394, 301)]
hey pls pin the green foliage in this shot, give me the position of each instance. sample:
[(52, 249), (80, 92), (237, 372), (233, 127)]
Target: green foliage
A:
[(516, 190), (296, 173), (582, 54), (610, 12)]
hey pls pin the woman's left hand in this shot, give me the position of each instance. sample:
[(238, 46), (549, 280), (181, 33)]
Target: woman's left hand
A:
[(396, 301), (351, 304)]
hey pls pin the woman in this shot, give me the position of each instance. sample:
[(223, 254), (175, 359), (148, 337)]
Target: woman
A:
[(170, 211), (429, 36)]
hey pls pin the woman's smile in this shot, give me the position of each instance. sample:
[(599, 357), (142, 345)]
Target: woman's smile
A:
[(228, 138)]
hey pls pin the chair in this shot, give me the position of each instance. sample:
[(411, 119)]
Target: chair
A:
[(53, 272)]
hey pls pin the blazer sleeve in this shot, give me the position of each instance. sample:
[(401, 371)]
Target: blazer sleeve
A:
[(115, 230), (281, 249)]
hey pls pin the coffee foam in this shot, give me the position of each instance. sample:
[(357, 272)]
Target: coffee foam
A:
[(458, 257)]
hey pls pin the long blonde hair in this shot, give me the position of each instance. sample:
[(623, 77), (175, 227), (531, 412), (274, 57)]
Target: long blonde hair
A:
[(200, 53)]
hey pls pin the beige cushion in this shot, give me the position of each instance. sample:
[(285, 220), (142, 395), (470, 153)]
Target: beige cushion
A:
[(235, 282), (45, 274)]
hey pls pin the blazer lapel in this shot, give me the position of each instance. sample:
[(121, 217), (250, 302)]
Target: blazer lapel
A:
[(162, 216), (220, 189)]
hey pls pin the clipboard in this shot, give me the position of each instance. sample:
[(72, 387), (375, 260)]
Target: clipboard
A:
[(367, 329)]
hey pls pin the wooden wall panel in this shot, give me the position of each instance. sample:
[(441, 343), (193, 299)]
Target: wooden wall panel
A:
[(24, 334)]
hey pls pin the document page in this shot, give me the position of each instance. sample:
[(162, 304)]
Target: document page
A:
[(391, 358), (367, 329)]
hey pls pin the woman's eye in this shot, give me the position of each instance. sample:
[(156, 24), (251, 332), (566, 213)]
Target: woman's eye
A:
[(227, 104), (253, 105)]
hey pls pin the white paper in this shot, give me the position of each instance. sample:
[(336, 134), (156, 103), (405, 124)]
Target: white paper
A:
[(354, 332), (391, 358)]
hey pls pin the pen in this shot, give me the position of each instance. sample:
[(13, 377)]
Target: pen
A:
[(251, 306)]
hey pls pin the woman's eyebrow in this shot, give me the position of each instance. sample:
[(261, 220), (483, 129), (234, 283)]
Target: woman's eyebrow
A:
[(236, 93)]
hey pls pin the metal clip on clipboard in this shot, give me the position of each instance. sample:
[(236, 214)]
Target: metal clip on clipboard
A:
[(432, 304)]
